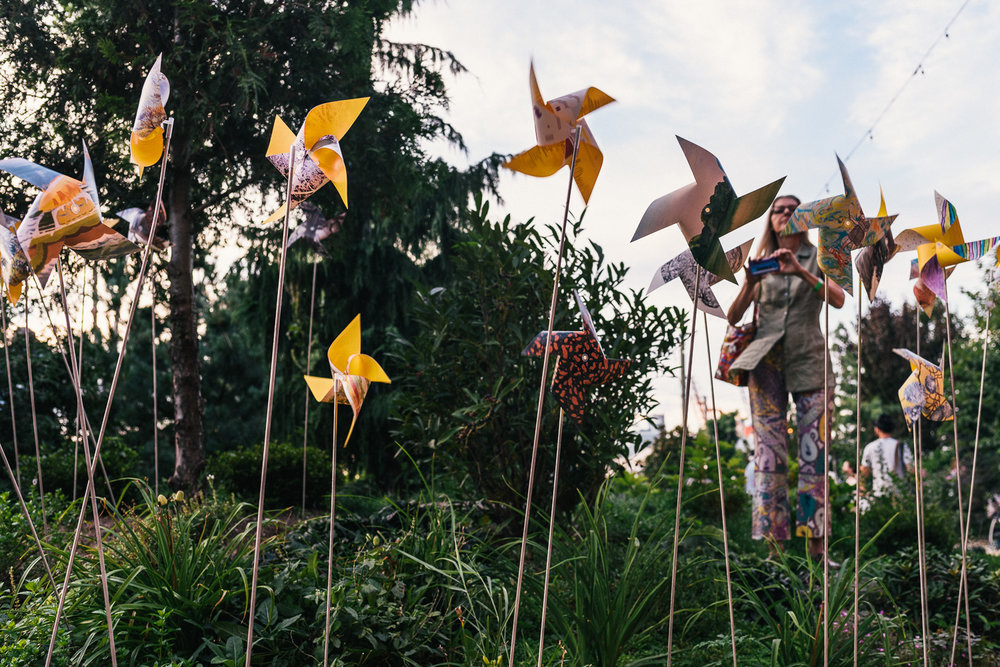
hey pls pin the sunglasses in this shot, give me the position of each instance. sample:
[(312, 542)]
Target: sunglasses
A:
[(778, 210)]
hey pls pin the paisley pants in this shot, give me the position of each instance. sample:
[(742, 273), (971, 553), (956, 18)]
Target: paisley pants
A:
[(769, 408)]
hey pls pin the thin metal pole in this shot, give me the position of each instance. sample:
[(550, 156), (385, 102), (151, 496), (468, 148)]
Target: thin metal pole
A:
[(857, 486), (305, 423), (156, 421), (541, 403), (963, 583), (270, 407), (90, 471), (680, 474), (826, 473), (722, 494), (168, 126), (921, 543), (10, 394), (333, 504), (31, 399), (548, 550)]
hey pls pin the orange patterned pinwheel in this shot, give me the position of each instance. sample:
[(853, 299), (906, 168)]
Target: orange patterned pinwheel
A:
[(555, 125), (581, 362), (66, 212), (318, 157), (352, 372)]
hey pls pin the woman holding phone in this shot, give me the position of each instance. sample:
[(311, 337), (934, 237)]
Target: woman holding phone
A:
[(786, 357)]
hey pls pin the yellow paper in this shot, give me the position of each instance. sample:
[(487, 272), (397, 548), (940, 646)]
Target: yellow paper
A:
[(556, 122), (146, 143), (352, 373), (318, 156), (923, 392)]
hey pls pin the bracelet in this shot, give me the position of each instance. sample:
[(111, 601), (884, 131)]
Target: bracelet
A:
[(818, 285)]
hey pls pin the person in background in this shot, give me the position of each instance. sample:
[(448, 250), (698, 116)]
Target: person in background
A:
[(787, 357), (883, 461)]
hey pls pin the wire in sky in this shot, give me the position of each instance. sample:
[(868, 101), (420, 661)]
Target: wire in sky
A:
[(919, 69)]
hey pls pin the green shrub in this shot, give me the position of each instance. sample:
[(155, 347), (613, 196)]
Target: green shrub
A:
[(466, 399), (238, 471)]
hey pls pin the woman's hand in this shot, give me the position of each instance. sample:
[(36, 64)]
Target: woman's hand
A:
[(788, 263)]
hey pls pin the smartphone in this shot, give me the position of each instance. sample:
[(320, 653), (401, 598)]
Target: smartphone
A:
[(760, 267)]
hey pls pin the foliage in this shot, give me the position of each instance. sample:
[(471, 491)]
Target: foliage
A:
[(17, 546), (899, 573), (467, 400), (238, 471), (609, 589), (178, 574), (784, 600)]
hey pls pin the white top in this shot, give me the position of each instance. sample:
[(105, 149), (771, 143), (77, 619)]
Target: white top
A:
[(880, 457)]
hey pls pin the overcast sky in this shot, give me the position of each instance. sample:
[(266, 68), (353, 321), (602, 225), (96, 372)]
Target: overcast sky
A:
[(773, 88)]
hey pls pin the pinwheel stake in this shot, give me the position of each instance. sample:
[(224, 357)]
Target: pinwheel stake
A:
[(353, 372), (705, 211), (560, 129), (252, 609), (305, 421), (333, 505), (722, 495), (580, 363), (10, 394), (541, 401), (141, 143)]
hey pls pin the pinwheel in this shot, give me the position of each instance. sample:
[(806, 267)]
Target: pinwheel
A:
[(843, 228), (872, 259), (352, 373), (923, 392), (146, 143), (66, 212), (556, 122), (140, 222), (316, 227), (940, 246), (581, 362), (14, 266), (318, 157), (684, 267), (706, 210)]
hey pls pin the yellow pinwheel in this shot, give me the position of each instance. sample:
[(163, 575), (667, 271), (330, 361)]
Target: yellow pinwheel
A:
[(555, 125), (940, 246), (352, 373), (146, 143), (319, 140)]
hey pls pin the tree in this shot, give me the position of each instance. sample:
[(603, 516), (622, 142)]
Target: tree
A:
[(74, 70)]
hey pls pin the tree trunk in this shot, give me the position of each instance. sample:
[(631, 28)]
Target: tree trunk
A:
[(188, 444)]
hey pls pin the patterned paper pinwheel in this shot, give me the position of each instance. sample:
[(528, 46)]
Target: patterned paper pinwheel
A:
[(555, 126), (318, 157), (14, 264), (706, 210), (942, 246), (843, 228), (923, 391), (352, 373), (316, 227), (580, 362), (872, 259), (140, 222), (66, 212), (684, 267), (146, 143)]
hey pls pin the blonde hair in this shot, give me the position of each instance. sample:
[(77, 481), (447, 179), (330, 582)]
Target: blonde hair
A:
[(768, 241)]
